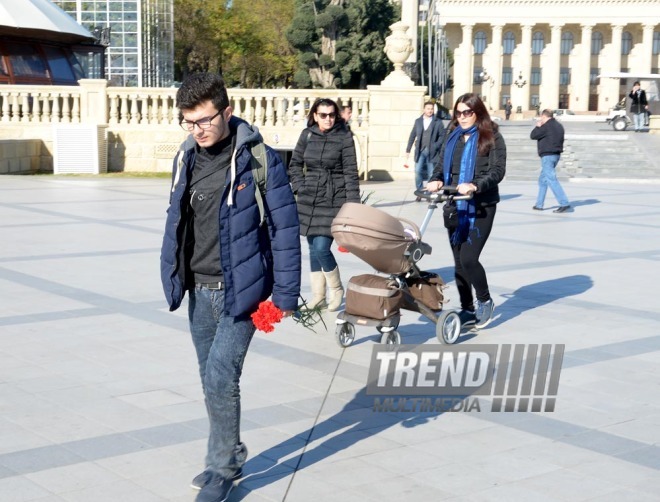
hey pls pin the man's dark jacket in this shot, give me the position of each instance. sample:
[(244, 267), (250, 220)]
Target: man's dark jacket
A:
[(550, 137), (435, 140), (257, 261), (638, 103)]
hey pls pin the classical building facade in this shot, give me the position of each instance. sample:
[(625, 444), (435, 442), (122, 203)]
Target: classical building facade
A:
[(546, 53)]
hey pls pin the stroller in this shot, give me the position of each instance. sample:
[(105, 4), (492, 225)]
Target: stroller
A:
[(391, 246)]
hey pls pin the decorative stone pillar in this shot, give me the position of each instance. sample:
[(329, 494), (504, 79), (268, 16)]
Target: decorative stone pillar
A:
[(549, 94), (93, 101), (398, 46), (525, 65), (393, 107), (495, 68), (646, 55), (463, 63), (580, 99), (609, 87)]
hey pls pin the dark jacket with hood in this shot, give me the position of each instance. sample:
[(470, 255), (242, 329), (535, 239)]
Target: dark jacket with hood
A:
[(329, 179), (257, 260)]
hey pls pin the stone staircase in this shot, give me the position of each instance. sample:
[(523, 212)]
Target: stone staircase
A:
[(596, 153)]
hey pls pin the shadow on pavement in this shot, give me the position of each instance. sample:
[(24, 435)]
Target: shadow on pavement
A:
[(538, 294)]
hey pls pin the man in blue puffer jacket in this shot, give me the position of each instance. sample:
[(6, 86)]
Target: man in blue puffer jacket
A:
[(216, 248)]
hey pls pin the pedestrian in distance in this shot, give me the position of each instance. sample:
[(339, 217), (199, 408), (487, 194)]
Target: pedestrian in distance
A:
[(347, 114), (426, 134), (324, 175), (639, 106), (230, 243), (472, 158), (507, 109), (549, 134)]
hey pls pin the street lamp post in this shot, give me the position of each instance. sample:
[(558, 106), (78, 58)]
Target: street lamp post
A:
[(520, 82)]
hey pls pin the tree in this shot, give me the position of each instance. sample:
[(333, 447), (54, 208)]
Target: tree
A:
[(340, 42), (242, 39)]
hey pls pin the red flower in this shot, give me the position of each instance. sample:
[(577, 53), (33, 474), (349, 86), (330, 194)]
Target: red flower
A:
[(266, 315)]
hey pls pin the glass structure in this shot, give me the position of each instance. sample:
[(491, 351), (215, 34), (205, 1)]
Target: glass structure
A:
[(140, 34)]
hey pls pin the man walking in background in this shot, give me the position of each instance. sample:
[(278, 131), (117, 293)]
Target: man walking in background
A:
[(427, 136), (550, 137), (639, 106)]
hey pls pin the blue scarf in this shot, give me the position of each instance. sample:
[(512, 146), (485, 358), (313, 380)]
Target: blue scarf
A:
[(466, 209)]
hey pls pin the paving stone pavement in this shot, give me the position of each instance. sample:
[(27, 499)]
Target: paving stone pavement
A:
[(100, 399)]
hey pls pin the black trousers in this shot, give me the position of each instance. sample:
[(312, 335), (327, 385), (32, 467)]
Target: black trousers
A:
[(468, 270)]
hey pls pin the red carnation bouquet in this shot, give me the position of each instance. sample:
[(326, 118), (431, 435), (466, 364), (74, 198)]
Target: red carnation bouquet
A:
[(269, 314)]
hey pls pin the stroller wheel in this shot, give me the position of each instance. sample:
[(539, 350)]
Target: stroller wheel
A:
[(448, 328), (391, 338), (345, 334)]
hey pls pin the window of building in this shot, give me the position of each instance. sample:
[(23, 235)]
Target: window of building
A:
[(507, 75), (26, 61), (656, 43), (534, 101), (596, 43), (593, 76), (566, 42), (536, 76), (509, 42), (480, 42), (626, 43), (476, 76), (59, 64), (565, 76), (624, 81), (538, 43), (564, 99)]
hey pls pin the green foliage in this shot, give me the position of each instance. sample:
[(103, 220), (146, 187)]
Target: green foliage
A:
[(348, 38), (242, 39)]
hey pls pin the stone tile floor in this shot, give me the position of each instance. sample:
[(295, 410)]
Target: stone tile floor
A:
[(100, 400)]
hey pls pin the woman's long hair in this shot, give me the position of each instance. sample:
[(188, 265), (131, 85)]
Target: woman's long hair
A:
[(323, 102), (485, 125)]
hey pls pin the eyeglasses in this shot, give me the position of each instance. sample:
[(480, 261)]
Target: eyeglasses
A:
[(466, 113), (189, 125), (324, 116)]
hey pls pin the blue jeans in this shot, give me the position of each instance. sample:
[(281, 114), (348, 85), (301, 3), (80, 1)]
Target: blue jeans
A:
[(639, 119), (221, 343), (423, 169), (548, 178), (320, 256)]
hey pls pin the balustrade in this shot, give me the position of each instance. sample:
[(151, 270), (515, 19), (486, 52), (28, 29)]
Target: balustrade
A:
[(154, 106)]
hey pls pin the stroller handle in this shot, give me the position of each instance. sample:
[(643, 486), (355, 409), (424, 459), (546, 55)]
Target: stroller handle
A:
[(450, 193)]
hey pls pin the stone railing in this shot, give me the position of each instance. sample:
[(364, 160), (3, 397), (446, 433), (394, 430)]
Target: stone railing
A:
[(156, 106), (141, 124)]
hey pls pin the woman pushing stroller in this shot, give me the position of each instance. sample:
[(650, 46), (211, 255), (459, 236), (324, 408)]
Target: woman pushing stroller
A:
[(472, 158), (323, 173)]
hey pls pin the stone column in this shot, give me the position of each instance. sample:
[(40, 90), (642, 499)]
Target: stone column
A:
[(93, 101), (580, 100), (609, 87), (525, 65), (646, 55), (495, 68), (463, 63), (393, 107), (549, 95)]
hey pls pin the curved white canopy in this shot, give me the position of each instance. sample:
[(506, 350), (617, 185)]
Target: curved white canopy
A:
[(39, 18)]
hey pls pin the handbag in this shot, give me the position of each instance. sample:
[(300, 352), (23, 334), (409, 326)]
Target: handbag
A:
[(450, 215)]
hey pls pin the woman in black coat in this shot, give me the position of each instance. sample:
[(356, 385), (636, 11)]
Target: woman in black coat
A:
[(323, 174), (473, 159)]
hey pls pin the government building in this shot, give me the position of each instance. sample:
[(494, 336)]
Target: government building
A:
[(541, 53)]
